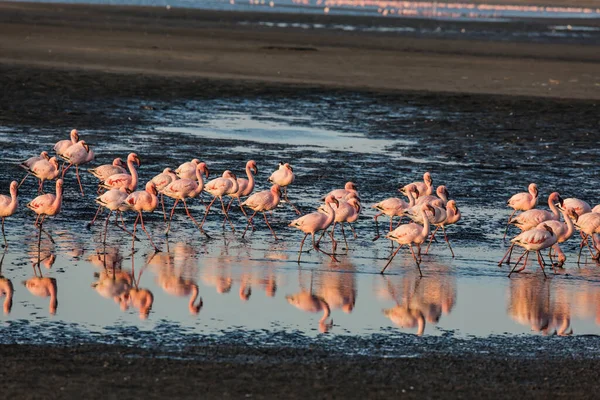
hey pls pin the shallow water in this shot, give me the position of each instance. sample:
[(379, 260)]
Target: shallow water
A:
[(248, 286)]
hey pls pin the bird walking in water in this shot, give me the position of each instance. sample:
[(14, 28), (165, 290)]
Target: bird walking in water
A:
[(349, 190), (161, 181), (46, 205), (316, 222), (8, 205), (125, 180), (283, 177), (185, 188), (102, 172), (266, 200), (451, 217), (424, 188), (410, 234), (245, 186), (187, 170), (62, 145), (113, 200), (26, 165), (220, 187), (346, 212), (78, 154), (523, 201), (45, 170), (394, 207), (536, 239), (143, 201)]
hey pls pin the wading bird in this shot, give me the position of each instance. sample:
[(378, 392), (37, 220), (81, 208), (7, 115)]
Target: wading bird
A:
[(102, 172), (394, 207), (46, 205), (523, 201), (45, 170), (8, 205), (26, 165), (266, 200), (536, 239), (284, 176), (346, 212), (452, 216), (424, 188), (187, 170), (220, 187), (345, 193), (161, 181), (62, 145), (143, 201), (129, 180), (245, 186), (78, 154)]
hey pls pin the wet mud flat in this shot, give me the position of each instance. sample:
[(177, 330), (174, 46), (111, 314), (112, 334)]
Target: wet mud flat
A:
[(482, 147)]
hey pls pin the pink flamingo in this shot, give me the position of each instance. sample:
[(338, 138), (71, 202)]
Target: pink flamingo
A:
[(523, 201), (226, 185), (26, 165), (45, 170), (579, 206), (245, 186), (47, 205), (104, 171), (62, 145), (128, 181), (113, 200), (8, 205), (536, 239), (452, 216), (346, 212), (341, 194), (78, 154), (161, 181), (411, 234), (284, 176), (439, 200), (563, 232), (315, 222), (266, 200), (589, 224), (394, 207), (182, 189), (187, 170), (424, 188), (143, 201), (532, 218), (596, 209)]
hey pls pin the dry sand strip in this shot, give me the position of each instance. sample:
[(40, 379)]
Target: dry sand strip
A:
[(201, 44)]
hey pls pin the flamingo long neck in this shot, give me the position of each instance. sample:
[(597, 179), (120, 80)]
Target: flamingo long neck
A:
[(235, 184), (326, 311), (425, 231), (200, 186), (134, 175), (58, 199), (534, 197), (330, 215), (442, 196), (14, 201), (411, 199), (250, 186), (570, 227), (553, 208)]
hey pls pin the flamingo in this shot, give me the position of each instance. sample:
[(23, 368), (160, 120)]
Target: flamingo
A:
[(596, 209), (523, 201), (161, 181), (226, 185), (43, 287), (315, 222), (563, 232), (182, 189), (187, 170), (411, 234), (394, 207), (532, 218), (46, 205), (439, 200), (104, 171), (45, 170), (8, 205), (589, 224), (579, 206), (113, 200), (143, 201), (266, 200), (536, 239), (452, 216), (26, 165), (341, 194), (62, 145), (245, 186), (126, 180), (346, 211), (424, 188), (77, 154), (284, 176)]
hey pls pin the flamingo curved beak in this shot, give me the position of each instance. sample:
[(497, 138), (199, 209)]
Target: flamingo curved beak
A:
[(255, 169)]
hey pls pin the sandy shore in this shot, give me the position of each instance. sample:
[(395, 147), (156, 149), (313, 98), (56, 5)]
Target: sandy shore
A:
[(200, 44)]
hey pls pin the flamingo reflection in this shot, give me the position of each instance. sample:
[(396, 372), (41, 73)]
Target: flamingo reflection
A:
[(337, 286), (306, 301), (6, 288), (43, 287), (532, 303)]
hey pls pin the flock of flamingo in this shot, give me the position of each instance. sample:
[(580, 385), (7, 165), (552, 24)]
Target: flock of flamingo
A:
[(425, 207)]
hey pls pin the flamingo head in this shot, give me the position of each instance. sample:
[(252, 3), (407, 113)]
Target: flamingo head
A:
[(14, 188), (428, 207), (204, 169), (54, 162), (533, 189), (117, 162), (331, 199), (44, 154), (350, 186), (132, 157), (441, 191), (427, 178), (252, 165), (452, 206), (276, 189), (74, 136), (353, 201), (572, 213), (151, 188), (549, 229), (195, 161), (167, 171), (229, 174), (556, 199), (59, 185), (288, 166)]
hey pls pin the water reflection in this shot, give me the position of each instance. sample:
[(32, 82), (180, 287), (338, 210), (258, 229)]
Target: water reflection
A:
[(536, 303), (41, 286), (307, 301), (6, 287), (419, 300)]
